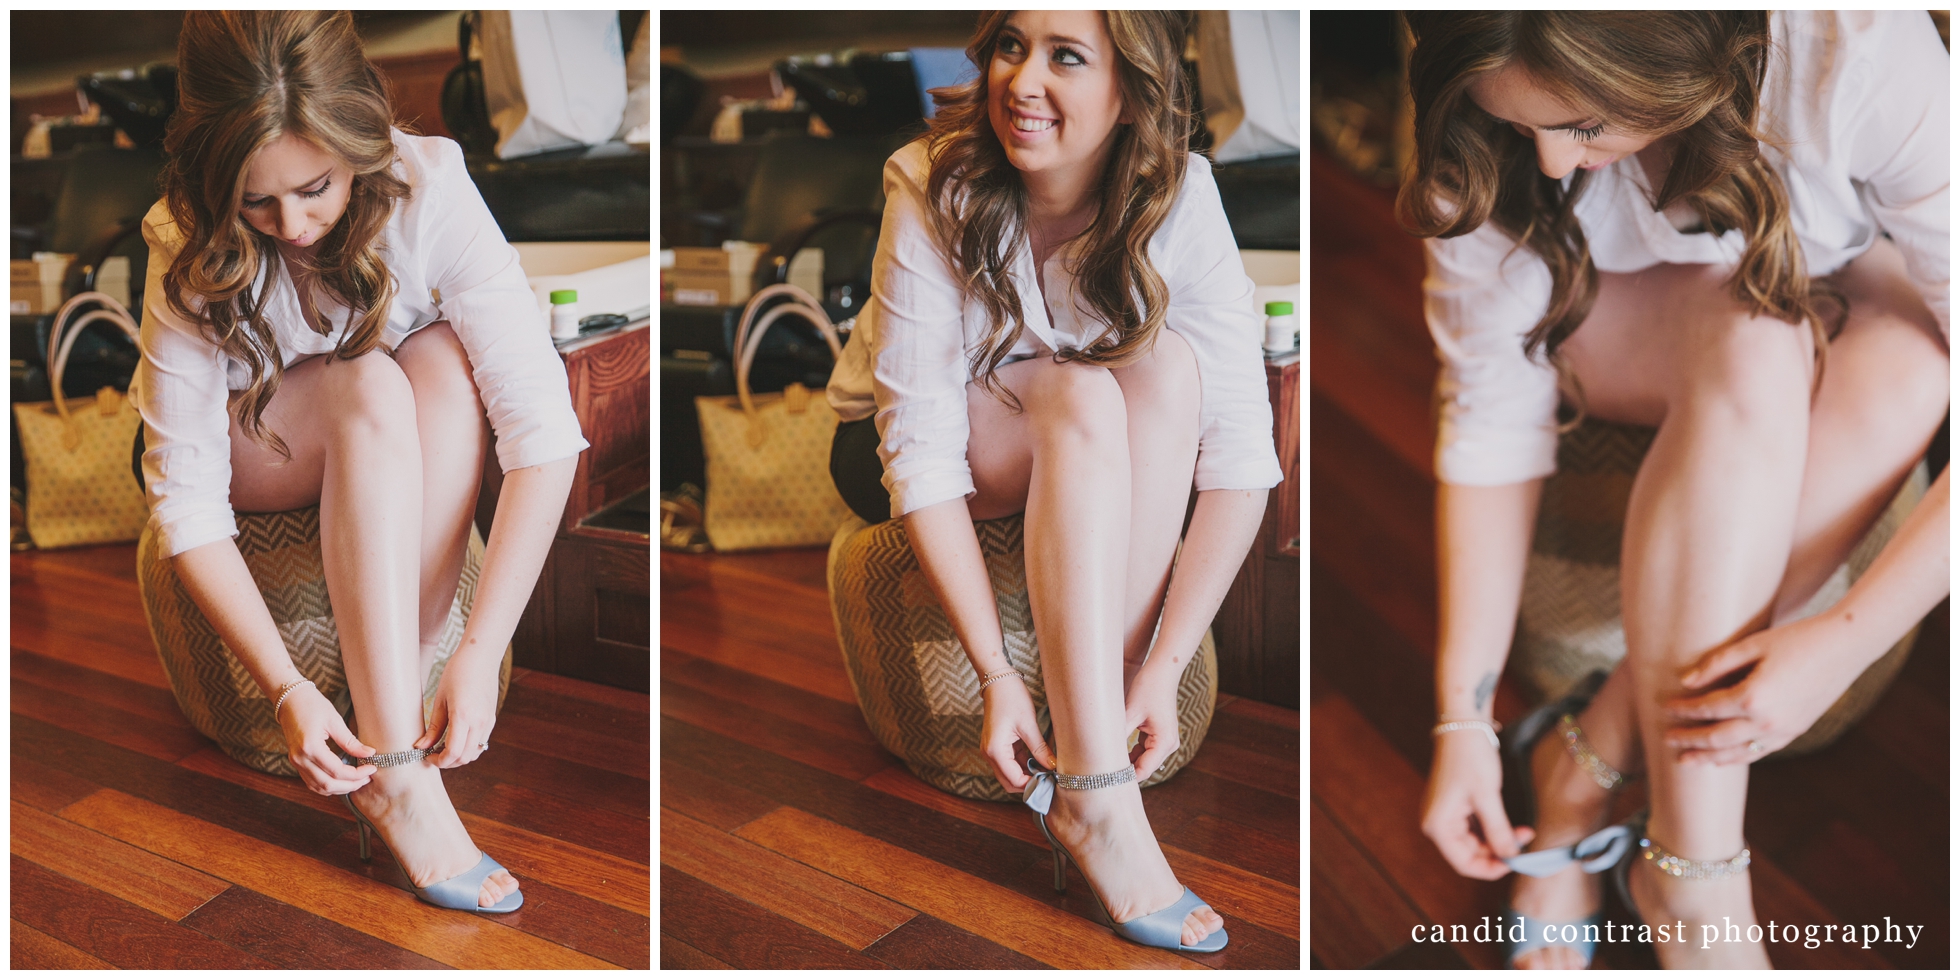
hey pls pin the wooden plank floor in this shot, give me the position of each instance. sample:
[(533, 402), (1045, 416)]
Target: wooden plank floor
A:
[(790, 838), (137, 844), (1849, 835)]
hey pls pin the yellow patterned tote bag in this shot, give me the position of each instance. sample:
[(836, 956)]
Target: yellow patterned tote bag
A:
[(769, 456), (79, 487)]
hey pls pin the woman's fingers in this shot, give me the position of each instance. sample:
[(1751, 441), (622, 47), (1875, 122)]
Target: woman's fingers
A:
[(1031, 737), (337, 730), (1158, 749), (1002, 757), (438, 720), (1498, 834), (1721, 703), (1719, 663), (1721, 743)]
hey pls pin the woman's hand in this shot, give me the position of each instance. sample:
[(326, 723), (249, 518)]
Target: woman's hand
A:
[(309, 720), (465, 711), (1009, 718), (1463, 812), (1795, 673), (1150, 707)]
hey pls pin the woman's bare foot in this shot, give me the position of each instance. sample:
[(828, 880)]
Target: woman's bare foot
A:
[(411, 809), (1570, 805), (1109, 835), (1722, 903)]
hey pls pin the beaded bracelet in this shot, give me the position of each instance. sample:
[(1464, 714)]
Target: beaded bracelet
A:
[(287, 690), (997, 675)]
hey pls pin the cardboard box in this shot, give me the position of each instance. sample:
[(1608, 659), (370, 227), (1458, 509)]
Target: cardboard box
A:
[(35, 284), (725, 276)]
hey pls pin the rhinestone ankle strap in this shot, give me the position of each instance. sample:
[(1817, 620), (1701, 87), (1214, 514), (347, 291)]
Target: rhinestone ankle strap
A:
[(386, 760), (1101, 781), (1582, 753), (1680, 867)]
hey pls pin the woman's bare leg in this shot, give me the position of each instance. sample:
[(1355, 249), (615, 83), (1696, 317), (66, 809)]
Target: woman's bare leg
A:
[(1066, 461), (1161, 400), (1710, 526), (350, 427), (453, 432), (1883, 394), (1885, 389)]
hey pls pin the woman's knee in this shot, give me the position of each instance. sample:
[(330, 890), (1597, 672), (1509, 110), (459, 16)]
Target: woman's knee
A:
[(368, 394), (1754, 370), (438, 367), (1165, 377), (1896, 373), (1082, 403)]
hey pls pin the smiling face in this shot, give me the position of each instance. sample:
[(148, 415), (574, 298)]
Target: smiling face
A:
[(1052, 92), (1566, 138), (295, 192)]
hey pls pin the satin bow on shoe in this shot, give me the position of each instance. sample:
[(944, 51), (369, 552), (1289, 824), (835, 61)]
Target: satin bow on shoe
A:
[(1039, 794), (1596, 853)]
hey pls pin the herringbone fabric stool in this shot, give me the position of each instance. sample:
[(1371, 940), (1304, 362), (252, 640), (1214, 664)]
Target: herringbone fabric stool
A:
[(912, 678), (1569, 620), (217, 695)]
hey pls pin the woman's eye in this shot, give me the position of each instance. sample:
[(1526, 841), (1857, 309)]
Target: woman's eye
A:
[(1068, 56), (1590, 134), (322, 190), (1009, 45), (261, 202)]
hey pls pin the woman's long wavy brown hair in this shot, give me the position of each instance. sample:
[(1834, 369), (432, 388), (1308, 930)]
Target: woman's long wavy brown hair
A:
[(1694, 76), (981, 206), (245, 80)]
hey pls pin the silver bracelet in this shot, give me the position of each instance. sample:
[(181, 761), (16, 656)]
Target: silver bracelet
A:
[(286, 691), (1489, 729), (997, 675)]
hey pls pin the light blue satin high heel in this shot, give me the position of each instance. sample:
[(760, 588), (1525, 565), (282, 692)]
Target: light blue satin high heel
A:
[(461, 892), (1596, 853), (1164, 928)]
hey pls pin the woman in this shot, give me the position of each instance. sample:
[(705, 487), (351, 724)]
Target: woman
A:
[(330, 317), (1674, 219), (1060, 325)]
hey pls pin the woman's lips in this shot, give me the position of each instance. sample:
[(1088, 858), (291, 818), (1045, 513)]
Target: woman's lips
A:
[(1029, 128)]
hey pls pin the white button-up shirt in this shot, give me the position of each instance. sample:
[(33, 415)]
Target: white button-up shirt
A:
[(450, 262), (1854, 112), (910, 357)]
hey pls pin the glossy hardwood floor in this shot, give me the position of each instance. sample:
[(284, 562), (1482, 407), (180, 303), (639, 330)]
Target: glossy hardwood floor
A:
[(137, 844), (1850, 835), (791, 839)]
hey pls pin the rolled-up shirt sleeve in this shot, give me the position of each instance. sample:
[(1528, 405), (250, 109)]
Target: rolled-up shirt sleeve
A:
[(1211, 308), (1899, 133), (1498, 409), (180, 391), (919, 368), (490, 306)]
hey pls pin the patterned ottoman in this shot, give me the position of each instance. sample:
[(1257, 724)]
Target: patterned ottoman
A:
[(1569, 620), (912, 678), (217, 695)]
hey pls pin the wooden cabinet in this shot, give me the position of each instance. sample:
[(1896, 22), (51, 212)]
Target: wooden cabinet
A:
[(1257, 629), (589, 615)]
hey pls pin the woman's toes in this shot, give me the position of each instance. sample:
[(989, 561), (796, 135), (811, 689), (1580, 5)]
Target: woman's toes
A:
[(1202, 922), (499, 886)]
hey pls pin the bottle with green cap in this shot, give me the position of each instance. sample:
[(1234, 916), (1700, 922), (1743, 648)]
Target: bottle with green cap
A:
[(564, 314), (1282, 329)]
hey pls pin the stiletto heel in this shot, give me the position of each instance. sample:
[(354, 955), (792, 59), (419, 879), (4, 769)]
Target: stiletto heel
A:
[(1164, 928), (459, 893)]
